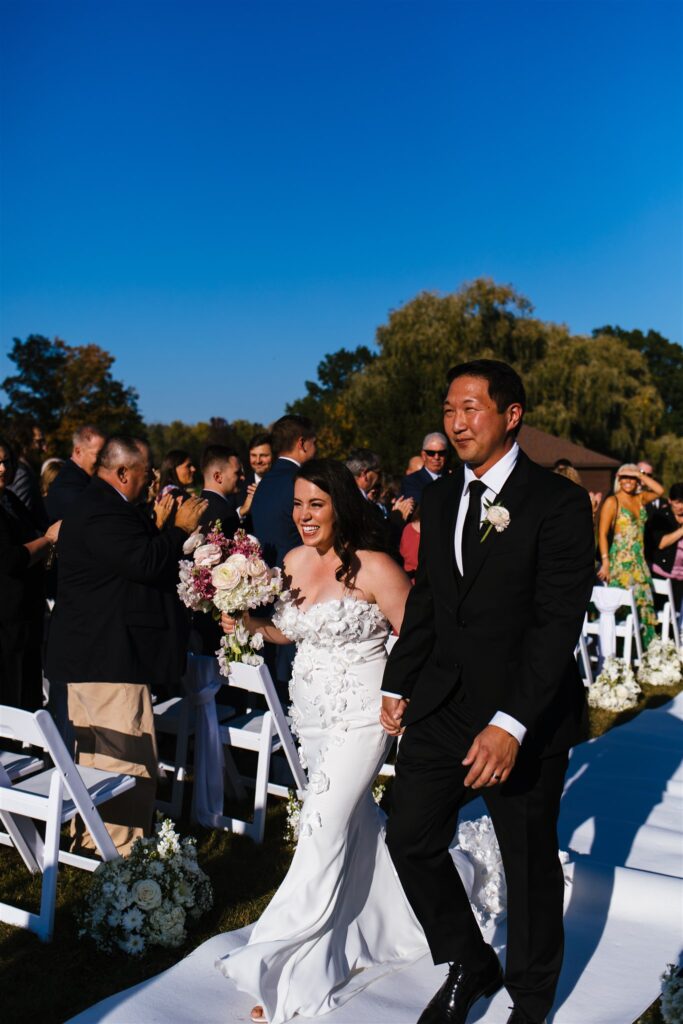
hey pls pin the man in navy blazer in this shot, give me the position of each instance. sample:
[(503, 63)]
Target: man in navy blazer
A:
[(434, 454), (294, 442)]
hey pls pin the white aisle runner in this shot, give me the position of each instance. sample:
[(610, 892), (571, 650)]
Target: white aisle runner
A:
[(622, 823)]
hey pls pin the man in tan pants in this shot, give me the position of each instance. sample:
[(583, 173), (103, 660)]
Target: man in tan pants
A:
[(112, 635)]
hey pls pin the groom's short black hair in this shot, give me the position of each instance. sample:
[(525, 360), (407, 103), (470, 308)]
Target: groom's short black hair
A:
[(504, 384)]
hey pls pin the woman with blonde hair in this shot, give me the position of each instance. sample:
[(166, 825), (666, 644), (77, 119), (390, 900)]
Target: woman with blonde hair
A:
[(622, 563)]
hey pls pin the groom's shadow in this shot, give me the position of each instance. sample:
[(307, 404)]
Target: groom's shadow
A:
[(600, 786), (616, 781)]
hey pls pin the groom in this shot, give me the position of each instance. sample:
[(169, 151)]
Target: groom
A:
[(483, 678)]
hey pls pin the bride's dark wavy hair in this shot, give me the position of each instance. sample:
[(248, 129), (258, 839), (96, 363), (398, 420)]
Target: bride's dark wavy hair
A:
[(358, 525)]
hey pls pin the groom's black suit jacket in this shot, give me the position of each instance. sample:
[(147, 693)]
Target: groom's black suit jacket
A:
[(505, 634)]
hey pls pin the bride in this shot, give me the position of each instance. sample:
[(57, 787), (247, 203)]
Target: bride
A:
[(340, 918)]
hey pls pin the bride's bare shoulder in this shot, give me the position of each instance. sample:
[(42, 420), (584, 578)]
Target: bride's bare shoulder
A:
[(378, 566)]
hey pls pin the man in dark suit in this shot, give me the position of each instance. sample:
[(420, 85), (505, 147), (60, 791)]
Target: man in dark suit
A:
[(222, 474), (434, 454), (260, 462), (76, 473), (484, 680), (294, 442), (112, 634)]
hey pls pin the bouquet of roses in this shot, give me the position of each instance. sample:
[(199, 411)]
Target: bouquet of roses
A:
[(240, 582), (196, 589), (147, 898)]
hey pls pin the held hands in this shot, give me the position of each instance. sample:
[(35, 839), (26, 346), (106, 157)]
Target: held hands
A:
[(391, 714), (491, 757), (189, 513)]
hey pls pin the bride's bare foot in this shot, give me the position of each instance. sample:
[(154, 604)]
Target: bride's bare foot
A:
[(258, 1015)]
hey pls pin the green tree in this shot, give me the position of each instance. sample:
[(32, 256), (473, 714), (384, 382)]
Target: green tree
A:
[(666, 455), (596, 391), (62, 386), (665, 362), (325, 400)]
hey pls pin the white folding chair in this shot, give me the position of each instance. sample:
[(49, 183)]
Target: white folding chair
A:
[(667, 616), (263, 732), (581, 654), (18, 766), (54, 797), (607, 601)]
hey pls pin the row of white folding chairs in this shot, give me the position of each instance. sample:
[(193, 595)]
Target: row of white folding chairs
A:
[(52, 797), (608, 601)]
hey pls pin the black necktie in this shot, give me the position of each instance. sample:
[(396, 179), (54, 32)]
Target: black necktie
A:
[(471, 529)]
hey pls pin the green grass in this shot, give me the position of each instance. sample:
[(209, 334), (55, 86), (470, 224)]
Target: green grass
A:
[(48, 983)]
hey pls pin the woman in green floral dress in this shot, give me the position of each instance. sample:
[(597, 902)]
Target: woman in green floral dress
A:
[(623, 562)]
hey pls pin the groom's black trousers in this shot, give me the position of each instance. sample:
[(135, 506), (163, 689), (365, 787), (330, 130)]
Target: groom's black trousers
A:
[(427, 794)]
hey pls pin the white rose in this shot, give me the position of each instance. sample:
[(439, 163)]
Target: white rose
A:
[(192, 542), (238, 561), (225, 576), (147, 893), (257, 569), (498, 517), (207, 554)]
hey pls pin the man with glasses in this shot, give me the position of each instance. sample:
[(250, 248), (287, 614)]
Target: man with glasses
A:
[(434, 452)]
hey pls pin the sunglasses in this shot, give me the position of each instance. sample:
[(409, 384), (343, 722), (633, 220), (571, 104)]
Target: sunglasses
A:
[(439, 453)]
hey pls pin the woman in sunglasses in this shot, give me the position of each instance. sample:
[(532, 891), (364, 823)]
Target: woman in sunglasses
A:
[(622, 562)]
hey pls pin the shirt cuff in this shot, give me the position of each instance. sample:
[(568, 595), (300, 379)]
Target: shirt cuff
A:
[(387, 693), (510, 725)]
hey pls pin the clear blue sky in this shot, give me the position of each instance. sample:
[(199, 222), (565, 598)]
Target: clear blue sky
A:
[(221, 192)]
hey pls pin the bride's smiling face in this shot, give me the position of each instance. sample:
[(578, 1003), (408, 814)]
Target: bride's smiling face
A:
[(313, 515)]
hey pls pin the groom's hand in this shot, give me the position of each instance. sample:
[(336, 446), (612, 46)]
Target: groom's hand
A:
[(491, 757), (391, 714)]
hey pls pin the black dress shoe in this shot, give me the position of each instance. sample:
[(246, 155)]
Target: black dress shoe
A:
[(460, 991), (517, 1017)]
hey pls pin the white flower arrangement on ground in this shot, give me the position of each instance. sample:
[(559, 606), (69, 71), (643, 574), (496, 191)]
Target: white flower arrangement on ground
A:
[(147, 898), (615, 689), (672, 995), (661, 665), (294, 805)]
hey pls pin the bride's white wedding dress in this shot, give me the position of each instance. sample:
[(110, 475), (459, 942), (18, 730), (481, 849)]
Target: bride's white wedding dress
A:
[(340, 917)]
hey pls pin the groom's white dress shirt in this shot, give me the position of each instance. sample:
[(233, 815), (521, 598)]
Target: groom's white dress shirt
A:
[(494, 478)]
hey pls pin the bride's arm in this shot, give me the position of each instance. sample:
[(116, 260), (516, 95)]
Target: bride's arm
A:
[(263, 626), (384, 580)]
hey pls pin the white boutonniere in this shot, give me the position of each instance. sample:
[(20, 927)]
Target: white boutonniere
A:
[(497, 517)]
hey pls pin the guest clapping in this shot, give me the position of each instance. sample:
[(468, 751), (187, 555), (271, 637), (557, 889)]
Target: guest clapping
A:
[(113, 634)]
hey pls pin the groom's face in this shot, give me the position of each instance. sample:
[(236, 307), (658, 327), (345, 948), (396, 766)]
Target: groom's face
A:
[(478, 432)]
